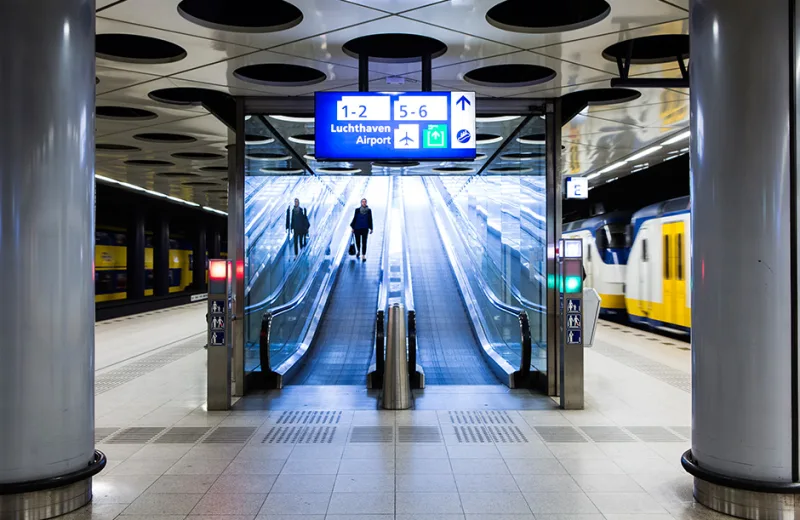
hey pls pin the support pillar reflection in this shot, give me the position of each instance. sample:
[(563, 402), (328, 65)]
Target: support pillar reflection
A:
[(161, 258)]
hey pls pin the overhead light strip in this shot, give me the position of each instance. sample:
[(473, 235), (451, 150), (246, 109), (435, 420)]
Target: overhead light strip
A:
[(678, 138), (156, 193)]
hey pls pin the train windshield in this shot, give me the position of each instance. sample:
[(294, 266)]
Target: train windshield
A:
[(613, 236)]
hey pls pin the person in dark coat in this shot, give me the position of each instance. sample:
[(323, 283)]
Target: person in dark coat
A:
[(297, 223), (362, 228)]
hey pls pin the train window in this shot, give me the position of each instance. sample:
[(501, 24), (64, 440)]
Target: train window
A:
[(666, 257), (645, 256), (680, 256)]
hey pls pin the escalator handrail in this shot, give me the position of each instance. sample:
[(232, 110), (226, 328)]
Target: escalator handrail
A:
[(379, 351), (292, 270)]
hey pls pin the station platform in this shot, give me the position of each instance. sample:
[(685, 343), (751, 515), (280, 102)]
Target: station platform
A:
[(479, 453)]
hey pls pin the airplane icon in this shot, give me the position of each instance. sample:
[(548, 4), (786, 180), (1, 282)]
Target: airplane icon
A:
[(406, 136)]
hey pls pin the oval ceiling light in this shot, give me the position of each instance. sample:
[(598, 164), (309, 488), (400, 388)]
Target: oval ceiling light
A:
[(452, 169), (496, 119), (484, 139), (178, 174), (510, 169), (162, 137), (510, 75), (341, 170), (198, 156), (394, 47), (309, 157), (247, 16), (522, 156), (134, 48), (307, 139), (533, 139), (111, 147), (283, 171), (185, 96), (546, 16), (200, 183), (267, 156), (123, 113), (255, 139), (280, 75), (649, 50), (214, 169), (148, 162), (292, 119)]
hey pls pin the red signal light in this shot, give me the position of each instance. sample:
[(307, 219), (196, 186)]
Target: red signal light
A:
[(218, 269)]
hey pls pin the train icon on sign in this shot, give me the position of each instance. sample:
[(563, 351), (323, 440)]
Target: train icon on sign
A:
[(463, 136)]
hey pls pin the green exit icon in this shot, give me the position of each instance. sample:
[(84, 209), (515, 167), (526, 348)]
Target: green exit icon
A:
[(435, 136)]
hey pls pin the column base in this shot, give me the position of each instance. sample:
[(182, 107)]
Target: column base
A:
[(748, 499), (47, 498)]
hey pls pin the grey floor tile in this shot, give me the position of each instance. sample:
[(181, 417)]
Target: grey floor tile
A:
[(486, 484), (430, 517), (230, 504), (247, 484), (289, 517), (473, 452), (183, 484), (196, 466), (428, 503), (317, 452), (262, 452), (223, 517), (364, 484), (95, 512), (171, 452), (626, 503), (158, 504), (506, 503), (536, 450), (304, 484), (255, 467), (535, 467), (151, 517), (560, 503), (360, 517), (368, 451), (416, 451), (426, 483), (607, 484), (596, 516), (645, 516), (141, 467), (591, 467), (361, 503), (311, 467), (216, 451), (424, 466), (122, 489), (547, 484), (479, 467), (483, 516), (367, 466), (295, 504)]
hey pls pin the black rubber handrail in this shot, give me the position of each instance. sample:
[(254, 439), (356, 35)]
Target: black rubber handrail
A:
[(93, 468), (412, 350), (527, 350), (380, 348)]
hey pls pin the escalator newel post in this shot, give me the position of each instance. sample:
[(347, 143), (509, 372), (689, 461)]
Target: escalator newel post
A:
[(396, 384), (263, 346)]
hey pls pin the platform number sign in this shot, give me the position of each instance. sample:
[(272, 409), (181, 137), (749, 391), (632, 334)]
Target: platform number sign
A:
[(577, 188)]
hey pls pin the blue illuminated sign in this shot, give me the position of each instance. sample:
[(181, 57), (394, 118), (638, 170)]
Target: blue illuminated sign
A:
[(394, 126)]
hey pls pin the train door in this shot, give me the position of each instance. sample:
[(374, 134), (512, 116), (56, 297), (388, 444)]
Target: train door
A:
[(645, 296), (674, 275), (589, 255)]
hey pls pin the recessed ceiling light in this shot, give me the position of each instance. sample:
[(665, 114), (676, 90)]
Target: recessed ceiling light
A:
[(307, 139), (254, 139), (266, 156), (678, 138), (339, 170), (610, 168), (283, 171), (484, 139), (531, 139), (593, 175)]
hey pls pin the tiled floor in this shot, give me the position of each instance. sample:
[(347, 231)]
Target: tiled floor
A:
[(616, 460)]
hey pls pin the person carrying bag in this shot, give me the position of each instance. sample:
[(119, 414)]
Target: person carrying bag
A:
[(297, 223)]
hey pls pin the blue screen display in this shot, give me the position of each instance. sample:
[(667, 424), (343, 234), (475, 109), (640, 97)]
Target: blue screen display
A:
[(394, 126)]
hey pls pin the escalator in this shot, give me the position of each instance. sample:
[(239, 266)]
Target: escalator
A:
[(449, 352), (342, 348)]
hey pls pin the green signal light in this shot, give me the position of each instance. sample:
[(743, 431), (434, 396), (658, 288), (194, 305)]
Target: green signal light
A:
[(573, 284), (551, 281)]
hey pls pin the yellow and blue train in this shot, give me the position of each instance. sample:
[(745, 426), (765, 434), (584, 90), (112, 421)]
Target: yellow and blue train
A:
[(110, 257), (640, 264)]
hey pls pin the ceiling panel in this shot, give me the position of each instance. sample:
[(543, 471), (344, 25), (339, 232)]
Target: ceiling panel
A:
[(460, 47), (319, 17)]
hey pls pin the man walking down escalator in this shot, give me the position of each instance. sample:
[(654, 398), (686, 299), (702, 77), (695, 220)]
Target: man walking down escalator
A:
[(362, 227), (298, 224)]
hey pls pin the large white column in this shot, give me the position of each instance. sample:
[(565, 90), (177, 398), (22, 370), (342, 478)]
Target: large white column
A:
[(47, 100), (744, 303)]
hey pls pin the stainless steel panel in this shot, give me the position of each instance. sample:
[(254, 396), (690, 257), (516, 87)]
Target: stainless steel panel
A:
[(553, 210), (39, 505), (46, 238), (747, 504), (236, 244), (396, 385), (741, 298)]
